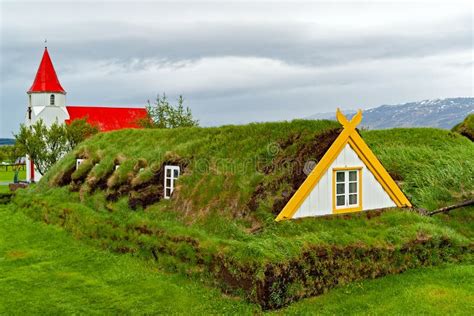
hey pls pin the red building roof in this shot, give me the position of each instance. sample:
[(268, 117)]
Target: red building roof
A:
[(107, 118), (46, 79)]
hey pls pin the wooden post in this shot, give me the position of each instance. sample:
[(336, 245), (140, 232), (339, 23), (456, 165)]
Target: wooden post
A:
[(451, 207)]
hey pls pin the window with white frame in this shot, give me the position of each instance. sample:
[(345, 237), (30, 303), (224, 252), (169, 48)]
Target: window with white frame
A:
[(171, 174), (78, 162), (51, 99), (347, 188)]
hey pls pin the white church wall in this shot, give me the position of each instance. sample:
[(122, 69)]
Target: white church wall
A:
[(43, 99), (38, 175), (49, 114), (28, 169), (319, 201), (42, 109)]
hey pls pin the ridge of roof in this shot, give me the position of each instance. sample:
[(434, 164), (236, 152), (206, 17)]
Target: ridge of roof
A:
[(106, 106)]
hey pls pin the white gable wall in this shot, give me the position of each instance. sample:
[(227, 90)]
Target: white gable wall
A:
[(49, 114), (319, 201)]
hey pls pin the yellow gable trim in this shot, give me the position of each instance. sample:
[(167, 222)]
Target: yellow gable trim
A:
[(378, 170), (349, 134)]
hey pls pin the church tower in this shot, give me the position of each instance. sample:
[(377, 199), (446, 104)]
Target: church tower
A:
[(46, 101)]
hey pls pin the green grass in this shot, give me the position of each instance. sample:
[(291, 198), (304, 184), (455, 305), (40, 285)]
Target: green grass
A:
[(435, 166), (445, 290), (7, 176), (44, 271), (104, 221)]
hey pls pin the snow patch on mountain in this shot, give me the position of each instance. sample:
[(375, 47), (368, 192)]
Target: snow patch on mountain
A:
[(440, 113)]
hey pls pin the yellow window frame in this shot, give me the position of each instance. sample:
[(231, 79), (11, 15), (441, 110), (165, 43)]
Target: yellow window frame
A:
[(358, 208)]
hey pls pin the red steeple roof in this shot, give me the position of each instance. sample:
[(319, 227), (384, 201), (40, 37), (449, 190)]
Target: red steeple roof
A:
[(46, 79)]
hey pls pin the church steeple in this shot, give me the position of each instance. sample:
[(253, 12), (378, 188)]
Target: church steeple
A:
[(46, 79)]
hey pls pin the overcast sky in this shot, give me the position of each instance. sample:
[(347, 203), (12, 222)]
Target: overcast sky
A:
[(238, 62)]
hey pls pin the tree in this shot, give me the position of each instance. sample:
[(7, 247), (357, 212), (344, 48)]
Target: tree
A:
[(162, 114), (45, 146), (6, 153), (77, 131)]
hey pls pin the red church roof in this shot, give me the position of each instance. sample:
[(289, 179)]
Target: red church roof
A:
[(107, 118), (46, 79)]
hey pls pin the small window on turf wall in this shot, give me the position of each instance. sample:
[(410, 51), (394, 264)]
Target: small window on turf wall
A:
[(78, 163), (171, 174)]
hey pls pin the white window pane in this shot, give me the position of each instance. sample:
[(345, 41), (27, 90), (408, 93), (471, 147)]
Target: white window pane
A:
[(340, 176), (353, 187), (168, 172), (352, 199), (168, 183), (340, 200), (352, 175), (176, 173)]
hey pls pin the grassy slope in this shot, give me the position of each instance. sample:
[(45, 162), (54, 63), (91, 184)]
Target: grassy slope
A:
[(45, 271), (466, 127), (436, 166)]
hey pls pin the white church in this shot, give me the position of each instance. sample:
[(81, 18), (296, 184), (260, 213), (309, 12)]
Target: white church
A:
[(47, 101)]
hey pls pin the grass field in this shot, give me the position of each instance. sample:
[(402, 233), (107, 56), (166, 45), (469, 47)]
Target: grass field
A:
[(43, 270), (7, 176), (445, 290)]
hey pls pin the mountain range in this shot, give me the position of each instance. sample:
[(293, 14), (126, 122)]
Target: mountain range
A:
[(6, 141), (441, 113)]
